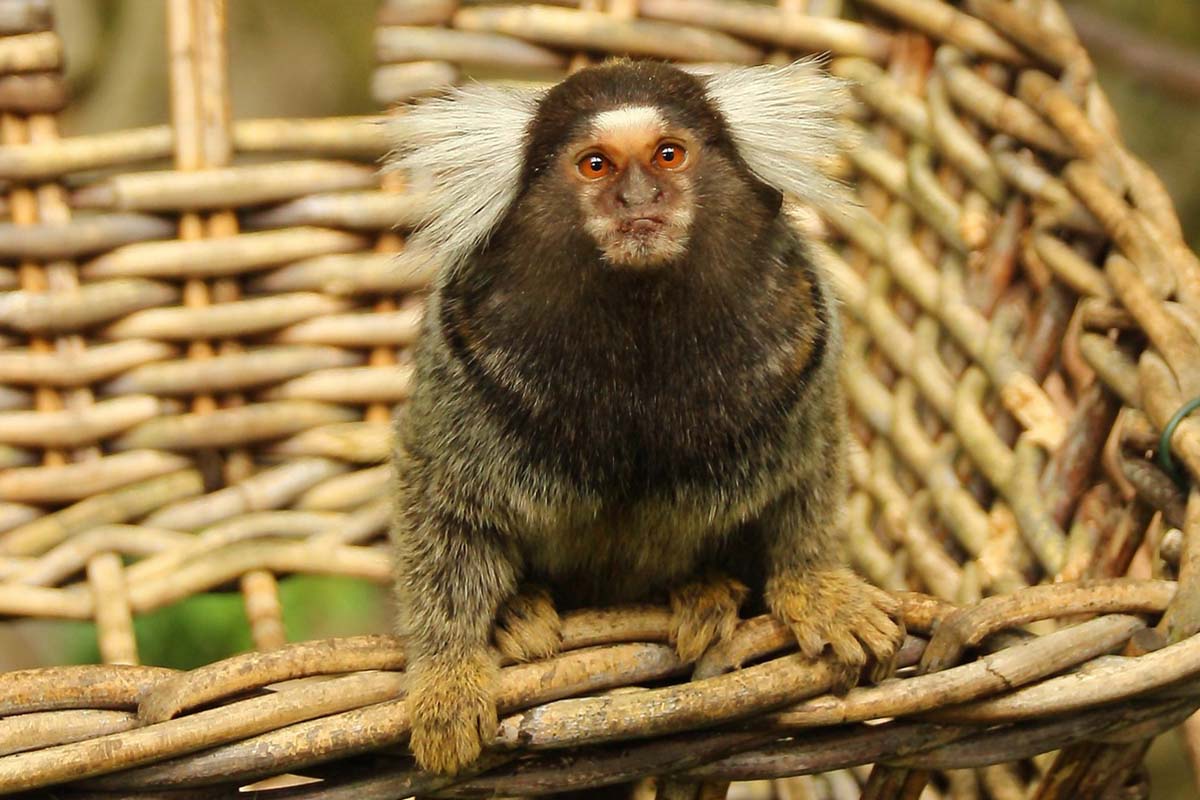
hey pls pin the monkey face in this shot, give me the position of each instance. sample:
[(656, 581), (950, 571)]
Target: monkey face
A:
[(625, 167), (633, 173)]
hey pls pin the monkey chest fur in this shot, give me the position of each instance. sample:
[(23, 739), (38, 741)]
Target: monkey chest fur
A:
[(646, 477), (632, 556), (637, 426), (640, 388)]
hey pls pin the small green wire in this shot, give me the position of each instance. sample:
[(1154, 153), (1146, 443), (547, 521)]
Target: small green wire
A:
[(1164, 443)]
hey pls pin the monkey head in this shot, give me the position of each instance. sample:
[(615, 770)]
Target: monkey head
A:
[(632, 161), (632, 170)]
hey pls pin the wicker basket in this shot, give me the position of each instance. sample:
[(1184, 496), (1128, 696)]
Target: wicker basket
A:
[(198, 364)]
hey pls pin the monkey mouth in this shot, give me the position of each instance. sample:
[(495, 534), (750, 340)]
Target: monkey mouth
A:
[(642, 241), (641, 225)]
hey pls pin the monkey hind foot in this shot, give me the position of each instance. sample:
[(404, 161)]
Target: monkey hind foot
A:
[(528, 626), (451, 702), (704, 611), (837, 609)]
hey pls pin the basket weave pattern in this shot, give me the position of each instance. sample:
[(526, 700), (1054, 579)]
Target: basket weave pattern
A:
[(203, 336)]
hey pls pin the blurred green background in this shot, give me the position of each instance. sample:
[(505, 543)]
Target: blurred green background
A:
[(314, 57)]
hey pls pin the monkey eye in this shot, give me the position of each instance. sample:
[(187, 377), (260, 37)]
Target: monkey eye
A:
[(670, 156), (594, 165)]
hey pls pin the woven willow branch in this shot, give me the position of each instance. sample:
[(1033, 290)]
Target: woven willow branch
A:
[(203, 334)]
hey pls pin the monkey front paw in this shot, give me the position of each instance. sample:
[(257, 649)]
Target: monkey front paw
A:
[(451, 702), (702, 612), (838, 609), (528, 626)]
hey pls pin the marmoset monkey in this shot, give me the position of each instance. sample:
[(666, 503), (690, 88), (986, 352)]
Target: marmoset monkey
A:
[(627, 382)]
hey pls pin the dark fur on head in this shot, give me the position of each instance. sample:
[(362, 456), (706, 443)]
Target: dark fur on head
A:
[(621, 435), (567, 106), (727, 188)]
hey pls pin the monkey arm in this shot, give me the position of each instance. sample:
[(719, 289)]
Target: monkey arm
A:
[(808, 585), (451, 578), (454, 562), (810, 589)]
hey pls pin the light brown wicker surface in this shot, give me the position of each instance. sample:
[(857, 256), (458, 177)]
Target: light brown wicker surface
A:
[(202, 337)]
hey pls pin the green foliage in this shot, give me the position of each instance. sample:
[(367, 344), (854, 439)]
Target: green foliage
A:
[(1176, 20), (1162, 128), (209, 627), (1166, 133), (188, 634), (317, 606)]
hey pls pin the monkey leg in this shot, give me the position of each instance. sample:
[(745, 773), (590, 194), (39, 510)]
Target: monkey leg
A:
[(528, 626), (837, 609), (703, 611)]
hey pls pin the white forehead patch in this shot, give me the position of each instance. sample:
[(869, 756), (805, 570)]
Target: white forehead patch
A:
[(628, 118)]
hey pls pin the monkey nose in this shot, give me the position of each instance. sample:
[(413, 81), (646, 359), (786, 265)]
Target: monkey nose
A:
[(638, 195)]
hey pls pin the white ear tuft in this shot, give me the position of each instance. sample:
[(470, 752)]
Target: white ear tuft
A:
[(464, 154), (784, 123)]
